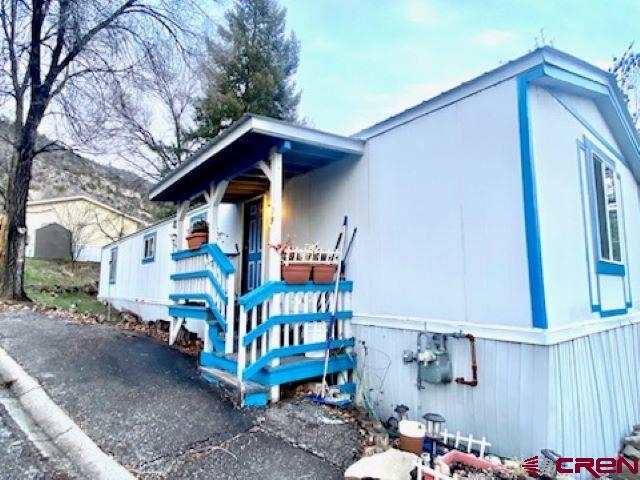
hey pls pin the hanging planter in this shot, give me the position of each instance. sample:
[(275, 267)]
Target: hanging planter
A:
[(199, 234), (324, 273), (296, 273), (299, 263)]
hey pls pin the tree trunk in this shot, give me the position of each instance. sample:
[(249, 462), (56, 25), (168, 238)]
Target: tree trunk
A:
[(13, 224)]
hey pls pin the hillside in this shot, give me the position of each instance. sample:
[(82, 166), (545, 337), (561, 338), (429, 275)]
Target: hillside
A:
[(64, 173)]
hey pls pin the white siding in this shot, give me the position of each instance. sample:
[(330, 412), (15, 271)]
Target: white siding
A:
[(144, 288), (571, 283), (509, 406), (580, 398), (438, 206), (595, 391)]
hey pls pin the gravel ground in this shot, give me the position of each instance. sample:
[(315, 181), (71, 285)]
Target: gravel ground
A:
[(144, 403)]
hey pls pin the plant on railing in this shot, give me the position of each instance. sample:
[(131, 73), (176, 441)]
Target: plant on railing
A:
[(298, 263), (198, 234)]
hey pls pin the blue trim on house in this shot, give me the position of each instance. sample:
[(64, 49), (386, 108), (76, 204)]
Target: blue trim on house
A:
[(584, 205), (629, 302), (610, 268), (266, 290), (284, 146), (202, 274), (292, 318), (613, 313), (577, 80), (152, 258), (592, 130), (531, 218), (603, 267)]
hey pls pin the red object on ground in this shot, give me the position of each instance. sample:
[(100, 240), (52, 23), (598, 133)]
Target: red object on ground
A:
[(455, 456)]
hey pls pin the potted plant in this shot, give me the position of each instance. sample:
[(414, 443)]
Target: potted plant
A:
[(198, 234), (295, 268)]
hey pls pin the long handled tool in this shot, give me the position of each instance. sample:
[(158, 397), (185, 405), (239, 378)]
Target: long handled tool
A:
[(334, 307)]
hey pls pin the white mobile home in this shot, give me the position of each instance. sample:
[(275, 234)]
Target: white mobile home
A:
[(506, 209)]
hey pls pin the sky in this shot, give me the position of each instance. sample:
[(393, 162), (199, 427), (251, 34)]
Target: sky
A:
[(363, 60)]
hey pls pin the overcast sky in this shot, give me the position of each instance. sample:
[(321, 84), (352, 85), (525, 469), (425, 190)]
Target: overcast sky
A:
[(363, 60)]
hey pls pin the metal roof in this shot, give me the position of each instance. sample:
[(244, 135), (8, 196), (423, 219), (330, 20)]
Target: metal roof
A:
[(234, 153)]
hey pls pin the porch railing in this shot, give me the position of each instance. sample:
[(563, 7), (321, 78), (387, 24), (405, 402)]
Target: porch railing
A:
[(277, 320), (207, 275)]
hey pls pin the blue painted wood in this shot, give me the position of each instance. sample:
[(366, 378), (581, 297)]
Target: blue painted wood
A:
[(214, 336), (202, 297), (293, 372), (213, 250), (292, 318), (263, 361), (188, 311), (220, 257), (265, 291), (608, 268), (182, 254), (151, 258), (255, 399), (349, 388), (253, 244), (531, 218), (218, 361), (202, 274)]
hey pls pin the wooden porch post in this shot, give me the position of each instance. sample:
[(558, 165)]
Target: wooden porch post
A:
[(180, 215), (214, 198), (275, 197)]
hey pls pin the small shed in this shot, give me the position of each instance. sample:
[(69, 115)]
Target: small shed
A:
[(53, 241)]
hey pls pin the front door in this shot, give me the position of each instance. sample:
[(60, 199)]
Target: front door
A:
[(252, 245)]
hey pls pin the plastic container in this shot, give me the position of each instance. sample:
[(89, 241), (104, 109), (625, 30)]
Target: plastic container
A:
[(412, 436)]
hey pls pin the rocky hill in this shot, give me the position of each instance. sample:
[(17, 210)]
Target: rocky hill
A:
[(63, 173)]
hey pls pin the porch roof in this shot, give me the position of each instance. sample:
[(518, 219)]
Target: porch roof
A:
[(233, 155)]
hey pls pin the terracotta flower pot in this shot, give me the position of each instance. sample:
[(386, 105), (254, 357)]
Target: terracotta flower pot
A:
[(324, 273), (296, 273), (195, 240)]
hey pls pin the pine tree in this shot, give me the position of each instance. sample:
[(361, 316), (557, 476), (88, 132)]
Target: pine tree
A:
[(249, 68)]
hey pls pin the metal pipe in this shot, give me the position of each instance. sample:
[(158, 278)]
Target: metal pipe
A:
[(474, 364)]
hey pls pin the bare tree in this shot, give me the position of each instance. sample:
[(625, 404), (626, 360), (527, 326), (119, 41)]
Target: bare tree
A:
[(626, 68), (62, 58), (112, 226), (154, 111)]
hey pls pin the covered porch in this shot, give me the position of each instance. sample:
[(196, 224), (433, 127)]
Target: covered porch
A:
[(258, 330)]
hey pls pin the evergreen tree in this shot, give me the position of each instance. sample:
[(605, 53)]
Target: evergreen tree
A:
[(249, 68)]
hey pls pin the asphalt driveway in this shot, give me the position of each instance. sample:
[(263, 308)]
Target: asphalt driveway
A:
[(144, 403)]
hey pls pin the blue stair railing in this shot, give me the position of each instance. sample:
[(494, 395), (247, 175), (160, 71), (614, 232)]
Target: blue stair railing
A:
[(282, 333), (206, 276)]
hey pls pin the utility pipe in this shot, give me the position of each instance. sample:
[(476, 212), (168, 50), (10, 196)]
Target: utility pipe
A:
[(474, 364)]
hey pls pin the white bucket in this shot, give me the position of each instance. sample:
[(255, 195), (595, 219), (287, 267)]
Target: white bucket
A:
[(412, 435)]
